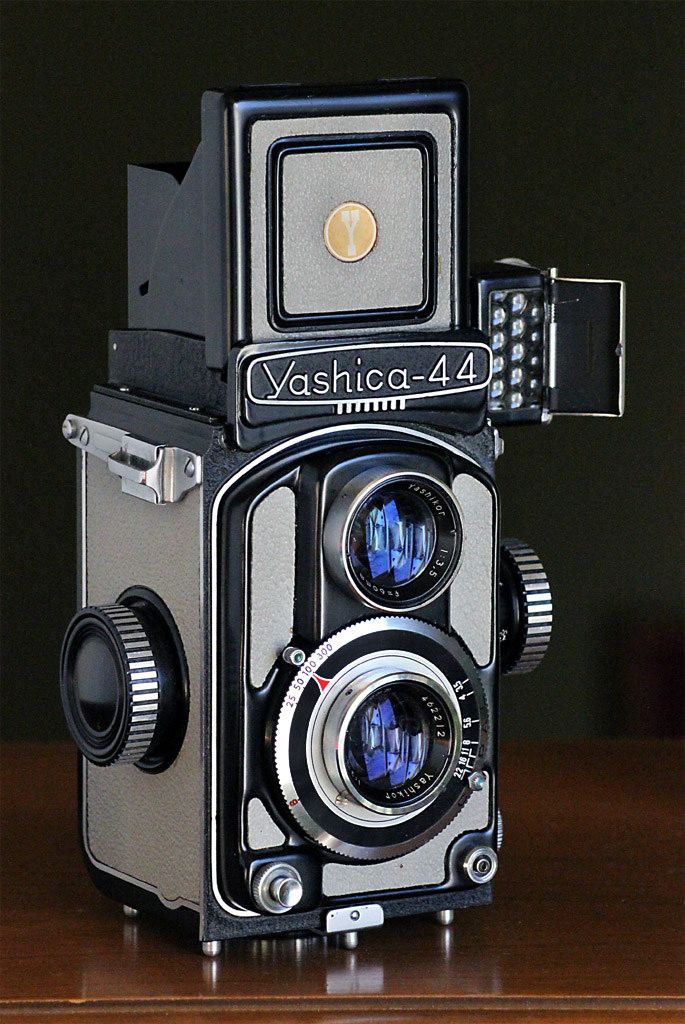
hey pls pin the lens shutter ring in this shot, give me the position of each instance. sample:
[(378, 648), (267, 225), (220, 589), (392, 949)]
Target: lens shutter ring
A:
[(315, 708)]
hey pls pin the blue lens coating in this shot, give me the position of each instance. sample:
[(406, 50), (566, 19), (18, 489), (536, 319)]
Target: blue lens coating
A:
[(388, 739), (392, 537)]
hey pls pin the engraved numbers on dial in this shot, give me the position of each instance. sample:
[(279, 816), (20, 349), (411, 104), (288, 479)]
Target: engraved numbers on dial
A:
[(306, 672), (326, 739), (470, 729)]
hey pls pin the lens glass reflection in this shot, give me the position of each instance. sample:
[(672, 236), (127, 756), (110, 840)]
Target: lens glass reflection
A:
[(388, 740), (392, 537)]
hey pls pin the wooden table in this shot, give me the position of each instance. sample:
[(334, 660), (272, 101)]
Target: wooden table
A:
[(587, 922)]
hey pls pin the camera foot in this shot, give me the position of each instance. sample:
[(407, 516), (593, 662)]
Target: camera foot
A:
[(212, 948), (130, 911), (349, 940), (445, 917)]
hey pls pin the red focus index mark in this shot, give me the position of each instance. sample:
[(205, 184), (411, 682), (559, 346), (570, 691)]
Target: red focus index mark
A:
[(323, 683)]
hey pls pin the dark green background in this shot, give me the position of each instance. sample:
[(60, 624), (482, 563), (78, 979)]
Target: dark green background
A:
[(575, 162)]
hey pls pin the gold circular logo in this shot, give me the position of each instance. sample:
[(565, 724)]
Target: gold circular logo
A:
[(350, 232)]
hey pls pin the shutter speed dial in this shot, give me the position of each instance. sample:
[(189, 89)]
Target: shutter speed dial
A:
[(123, 682), (525, 608)]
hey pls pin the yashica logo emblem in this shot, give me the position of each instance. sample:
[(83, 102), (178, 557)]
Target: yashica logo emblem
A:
[(368, 378), (350, 232)]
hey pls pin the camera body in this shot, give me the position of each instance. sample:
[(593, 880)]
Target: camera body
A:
[(295, 606)]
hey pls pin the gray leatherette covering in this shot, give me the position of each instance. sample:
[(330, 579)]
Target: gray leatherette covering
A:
[(147, 828), (425, 866), (472, 608), (272, 580), (392, 274), (262, 831), (324, 275)]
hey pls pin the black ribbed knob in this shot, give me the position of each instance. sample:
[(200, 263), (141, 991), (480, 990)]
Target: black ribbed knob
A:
[(124, 684), (525, 602)]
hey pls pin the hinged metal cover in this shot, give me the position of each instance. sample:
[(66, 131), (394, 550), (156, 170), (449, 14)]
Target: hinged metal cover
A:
[(587, 346), (558, 343)]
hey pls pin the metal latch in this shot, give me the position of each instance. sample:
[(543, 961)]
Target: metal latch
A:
[(154, 472), (346, 919)]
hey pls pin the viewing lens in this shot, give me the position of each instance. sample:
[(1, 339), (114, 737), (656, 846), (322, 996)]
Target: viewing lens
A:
[(402, 541), (399, 737), (392, 538)]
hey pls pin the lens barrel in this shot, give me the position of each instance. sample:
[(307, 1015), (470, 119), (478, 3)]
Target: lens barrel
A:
[(393, 539), (396, 742), (376, 735)]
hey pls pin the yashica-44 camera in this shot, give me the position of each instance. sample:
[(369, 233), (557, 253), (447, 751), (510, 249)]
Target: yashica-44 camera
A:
[(295, 606)]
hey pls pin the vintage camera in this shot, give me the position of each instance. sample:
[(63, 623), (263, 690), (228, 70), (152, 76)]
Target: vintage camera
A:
[(295, 605)]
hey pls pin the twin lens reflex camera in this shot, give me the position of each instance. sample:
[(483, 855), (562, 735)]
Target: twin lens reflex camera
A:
[(295, 603)]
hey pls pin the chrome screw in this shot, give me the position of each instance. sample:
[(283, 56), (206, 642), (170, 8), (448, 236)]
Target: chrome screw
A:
[(477, 781), (189, 468), (480, 864), (69, 428), (84, 436), (293, 656)]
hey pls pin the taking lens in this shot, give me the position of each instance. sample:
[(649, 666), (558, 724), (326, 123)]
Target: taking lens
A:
[(397, 744), (403, 542)]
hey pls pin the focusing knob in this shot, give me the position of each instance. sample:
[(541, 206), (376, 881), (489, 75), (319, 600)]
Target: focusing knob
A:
[(525, 608), (123, 683)]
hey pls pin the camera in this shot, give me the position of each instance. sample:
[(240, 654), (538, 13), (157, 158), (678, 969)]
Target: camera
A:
[(294, 603)]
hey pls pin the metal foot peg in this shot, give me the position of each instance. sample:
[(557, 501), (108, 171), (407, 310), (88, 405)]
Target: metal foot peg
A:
[(445, 917), (212, 948), (349, 940), (130, 911)]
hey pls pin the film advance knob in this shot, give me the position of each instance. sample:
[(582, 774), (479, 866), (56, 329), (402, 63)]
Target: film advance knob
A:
[(525, 601), (123, 683), (277, 888)]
